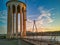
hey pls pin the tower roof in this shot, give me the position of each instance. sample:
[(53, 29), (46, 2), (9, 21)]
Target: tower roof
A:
[(13, 0)]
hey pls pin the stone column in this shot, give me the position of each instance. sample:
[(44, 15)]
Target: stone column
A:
[(24, 22), (8, 24), (11, 14), (16, 22), (21, 30), (12, 23)]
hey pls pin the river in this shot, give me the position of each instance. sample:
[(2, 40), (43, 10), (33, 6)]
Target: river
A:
[(57, 38)]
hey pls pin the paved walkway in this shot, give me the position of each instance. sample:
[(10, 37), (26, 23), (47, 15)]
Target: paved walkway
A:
[(13, 42), (41, 42)]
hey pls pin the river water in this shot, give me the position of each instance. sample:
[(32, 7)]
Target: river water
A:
[(57, 38), (21, 42)]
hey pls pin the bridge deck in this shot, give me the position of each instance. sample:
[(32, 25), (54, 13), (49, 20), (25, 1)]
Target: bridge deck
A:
[(42, 42)]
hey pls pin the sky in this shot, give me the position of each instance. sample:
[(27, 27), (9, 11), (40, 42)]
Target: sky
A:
[(46, 14)]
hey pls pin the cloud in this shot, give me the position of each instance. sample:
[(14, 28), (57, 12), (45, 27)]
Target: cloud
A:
[(47, 14), (3, 16), (29, 24), (43, 19), (32, 17), (3, 13), (3, 29)]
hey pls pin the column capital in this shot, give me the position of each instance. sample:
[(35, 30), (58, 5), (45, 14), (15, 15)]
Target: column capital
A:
[(16, 4), (20, 7), (25, 10)]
